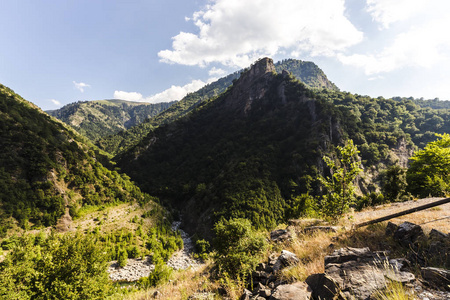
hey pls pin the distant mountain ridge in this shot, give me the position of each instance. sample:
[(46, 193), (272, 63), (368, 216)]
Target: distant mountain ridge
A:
[(96, 119), (48, 170), (307, 72), (256, 150)]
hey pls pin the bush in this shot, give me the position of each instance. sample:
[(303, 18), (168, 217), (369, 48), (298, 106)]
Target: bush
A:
[(239, 247), (160, 275), (122, 257)]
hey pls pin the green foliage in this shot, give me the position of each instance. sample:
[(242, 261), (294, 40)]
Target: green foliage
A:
[(97, 119), (55, 267), (122, 257), (239, 247), (45, 164), (339, 185), (429, 171), (202, 249), (160, 275), (393, 183)]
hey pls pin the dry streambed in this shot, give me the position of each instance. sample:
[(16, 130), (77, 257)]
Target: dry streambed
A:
[(138, 268)]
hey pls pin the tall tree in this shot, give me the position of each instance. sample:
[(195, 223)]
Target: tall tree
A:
[(339, 185), (429, 172)]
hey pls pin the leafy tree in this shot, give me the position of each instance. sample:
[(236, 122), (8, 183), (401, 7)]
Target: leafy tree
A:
[(394, 183), (239, 247), (429, 172), (339, 184), (55, 267)]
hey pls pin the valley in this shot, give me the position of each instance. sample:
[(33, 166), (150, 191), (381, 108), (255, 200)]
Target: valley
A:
[(112, 199)]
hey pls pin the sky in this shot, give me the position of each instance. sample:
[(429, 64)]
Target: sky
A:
[(55, 52)]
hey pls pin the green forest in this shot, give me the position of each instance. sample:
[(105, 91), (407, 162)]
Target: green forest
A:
[(232, 161)]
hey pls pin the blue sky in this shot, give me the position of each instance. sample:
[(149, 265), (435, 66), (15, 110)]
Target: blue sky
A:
[(54, 52)]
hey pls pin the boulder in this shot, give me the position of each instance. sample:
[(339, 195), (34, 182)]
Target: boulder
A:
[(391, 228), (312, 229), (295, 291), (356, 273), (284, 260), (408, 234), (246, 295), (322, 286), (280, 235), (437, 278)]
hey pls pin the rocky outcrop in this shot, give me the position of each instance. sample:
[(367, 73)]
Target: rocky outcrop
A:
[(251, 86), (356, 273)]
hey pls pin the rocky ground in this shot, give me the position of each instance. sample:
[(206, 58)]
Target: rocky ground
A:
[(137, 268)]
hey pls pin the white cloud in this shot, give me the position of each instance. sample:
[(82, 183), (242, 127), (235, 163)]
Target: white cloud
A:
[(424, 45), (176, 92), (236, 32), (129, 96), (171, 94), (390, 11), (55, 102), (80, 86), (216, 72)]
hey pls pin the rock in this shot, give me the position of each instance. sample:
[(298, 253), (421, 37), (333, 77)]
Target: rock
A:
[(312, 229), (390, 229), (322, 286), (280, 235), (284, 260), (246, 295), (202, 296), (437, 278), (407, 234), (356, 273), (295, 291), (347, 254)]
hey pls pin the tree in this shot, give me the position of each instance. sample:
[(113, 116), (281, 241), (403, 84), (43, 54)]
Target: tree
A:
[(393, 181), (339, 184), (239, 247), (429, 171)]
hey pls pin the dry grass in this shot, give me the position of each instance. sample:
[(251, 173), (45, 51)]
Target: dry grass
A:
[(183, 284)]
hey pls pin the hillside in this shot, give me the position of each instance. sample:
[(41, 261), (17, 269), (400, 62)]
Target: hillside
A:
[(96, 119), (47, 170), (255, 150), (307, 72)]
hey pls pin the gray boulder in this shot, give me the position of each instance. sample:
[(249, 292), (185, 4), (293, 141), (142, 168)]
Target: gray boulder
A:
[(295, 291), (408, 234), (437, 278), (280, 235), (286, 259)]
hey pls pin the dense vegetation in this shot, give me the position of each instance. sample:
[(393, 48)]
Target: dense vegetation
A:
[(97, 119), (308, 72), (257, 164), (47, 168)]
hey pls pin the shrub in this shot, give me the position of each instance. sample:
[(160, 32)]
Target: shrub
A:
[(239, 247)]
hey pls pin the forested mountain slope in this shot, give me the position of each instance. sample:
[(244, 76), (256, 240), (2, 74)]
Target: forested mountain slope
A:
[(254, 150), (307, 72), (96, 119), (47, 169)]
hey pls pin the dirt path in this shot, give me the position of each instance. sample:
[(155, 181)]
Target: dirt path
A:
[(436, 217)]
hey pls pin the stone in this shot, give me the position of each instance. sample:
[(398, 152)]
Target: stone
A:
[(295, 291), (284, 260), (356, 273), (280, 235), (246, 295), (312, 229), (347, 254), (322, 286), (437, 278), (407, 234), (390, 229)]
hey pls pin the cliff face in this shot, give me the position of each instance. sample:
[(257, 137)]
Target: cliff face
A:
[(251, 86)]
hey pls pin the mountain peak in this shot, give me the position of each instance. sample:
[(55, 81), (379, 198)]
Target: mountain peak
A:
[(252, 85)]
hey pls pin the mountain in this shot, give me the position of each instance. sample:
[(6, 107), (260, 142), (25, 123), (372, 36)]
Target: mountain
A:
[(256, 150), (307, 72), (48, 170), (96, 119)]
